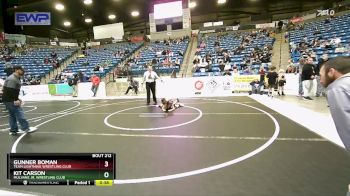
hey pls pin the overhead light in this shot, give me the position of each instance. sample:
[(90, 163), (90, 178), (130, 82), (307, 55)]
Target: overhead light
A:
[(112, 16), (192, 4), (88, 20), (87, 2), (59, 6), (135, 13), (67, 23), (221, 1)]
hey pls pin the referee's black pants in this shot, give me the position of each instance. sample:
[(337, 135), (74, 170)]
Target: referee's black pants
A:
[(151, 86)]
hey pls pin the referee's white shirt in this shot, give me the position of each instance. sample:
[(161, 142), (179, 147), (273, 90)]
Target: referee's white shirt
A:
[(150, 76)]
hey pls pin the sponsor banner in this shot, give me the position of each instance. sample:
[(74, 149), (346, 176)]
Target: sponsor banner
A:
[(60, 89), (208, 24), (16, 37), (41, 92), (34, 91), (232, 28), (208, 31), (32, 18), (265, 25), (69, 44), (152, 23), (196, 86), (242, 83), (186, 19), (93, 44), (219, 23)]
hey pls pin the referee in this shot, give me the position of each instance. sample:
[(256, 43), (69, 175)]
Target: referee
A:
[(13, 104), (150, 77)]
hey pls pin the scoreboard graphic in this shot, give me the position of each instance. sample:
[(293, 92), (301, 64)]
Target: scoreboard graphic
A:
[(76, 169)]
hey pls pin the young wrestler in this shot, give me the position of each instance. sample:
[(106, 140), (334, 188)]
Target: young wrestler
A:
[(170, 105)]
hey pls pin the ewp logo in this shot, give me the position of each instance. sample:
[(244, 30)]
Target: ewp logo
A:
[(33, 18)]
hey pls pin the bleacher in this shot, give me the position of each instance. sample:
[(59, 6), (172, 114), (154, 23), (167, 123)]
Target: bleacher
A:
[(228, 43), (101, 55), (154, 51), (337, 27), (33, 61)]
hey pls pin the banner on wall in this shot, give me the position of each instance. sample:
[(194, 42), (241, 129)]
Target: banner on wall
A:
[(196, 86), (16, 37), (215, 86), (232, 28), (152, 23), (69, 44), (186, 19), (47, 92), (242, 83), (265, 25), (35, 91)]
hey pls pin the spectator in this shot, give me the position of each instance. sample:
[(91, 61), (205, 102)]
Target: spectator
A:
[(11, 90), (95, 80), (262, 74), (335, 76), (256, 87), (320, 90), (73, 82), (272, 80), (281, 82), (54, 55), (46, 60), (307, 78), (133, 85)]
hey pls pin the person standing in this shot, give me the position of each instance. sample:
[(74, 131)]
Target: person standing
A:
[(307, 78), (95, 80), (150, 78), (272, 76), (320, 90), (13, 104), (335, 77), (133, 85), (302, 62), (75, 82)]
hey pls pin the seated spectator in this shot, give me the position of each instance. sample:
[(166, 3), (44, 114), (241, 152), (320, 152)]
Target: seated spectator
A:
[(53, 55), (335, 41), (290, 69), (256, 87), (166, 62), (203, 45), (235, 72), (96, 68), (227, 67), (227, 73), (46, 60)]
